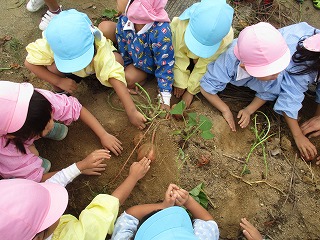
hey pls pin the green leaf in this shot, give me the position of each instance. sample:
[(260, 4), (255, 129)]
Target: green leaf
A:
[(205, 122), (109, 13), (197, 190), (203, 200), (192, 119), (207, 135), (179, 108), (246, 171)]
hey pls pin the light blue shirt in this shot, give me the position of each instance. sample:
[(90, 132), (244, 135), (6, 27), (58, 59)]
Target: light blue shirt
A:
[(287, 90), (126, 227)]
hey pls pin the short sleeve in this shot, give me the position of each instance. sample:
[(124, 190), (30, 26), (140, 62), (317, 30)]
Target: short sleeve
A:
[(206, 229), (125, 227), (39, 53)]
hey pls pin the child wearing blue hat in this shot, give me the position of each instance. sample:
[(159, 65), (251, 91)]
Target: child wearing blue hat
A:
[(168, 219), (72, 47), (199, 36), (144, 39), (261, 60)]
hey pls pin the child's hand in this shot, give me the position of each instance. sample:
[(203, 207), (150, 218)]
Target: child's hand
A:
[(307, 150), (167, 109), (249, 231), (170, 196), (137, 119), (34, 150), (178, 92), (139, 169), (93, 163), (244, 116), (182, 197), (311, 126), (67, 84), (111, 143), (229, 118)]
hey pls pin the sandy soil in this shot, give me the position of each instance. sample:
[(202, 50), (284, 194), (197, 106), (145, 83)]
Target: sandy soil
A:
[(284, 204)]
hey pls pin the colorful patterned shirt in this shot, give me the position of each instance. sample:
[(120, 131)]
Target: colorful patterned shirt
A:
[(150, 51)]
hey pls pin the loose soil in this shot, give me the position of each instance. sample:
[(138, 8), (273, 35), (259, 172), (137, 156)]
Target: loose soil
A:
[(283, 205)]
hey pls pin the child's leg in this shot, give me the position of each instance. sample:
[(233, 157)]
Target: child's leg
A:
[(108, 29), (134, 75)]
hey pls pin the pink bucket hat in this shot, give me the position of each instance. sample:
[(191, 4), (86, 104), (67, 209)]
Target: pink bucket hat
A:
[(262, 50), (312, 43), (146, 11), (14, 105), (28, 207)]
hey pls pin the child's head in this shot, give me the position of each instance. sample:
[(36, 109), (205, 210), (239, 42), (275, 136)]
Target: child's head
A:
[(25, 112), (209, 22), (71, 37), (262, 51), (147, 11), (171, 223), (28, 208)]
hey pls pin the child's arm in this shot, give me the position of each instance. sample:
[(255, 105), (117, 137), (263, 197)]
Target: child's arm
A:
[(93, 164), (306, 148), (108, 141), (245, 113), (135, 117), (137, 171), (43, 73), (139, 211), (249, 231), (216, 101)]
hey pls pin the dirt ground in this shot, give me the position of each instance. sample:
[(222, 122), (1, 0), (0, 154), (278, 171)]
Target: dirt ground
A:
[(283, 204)]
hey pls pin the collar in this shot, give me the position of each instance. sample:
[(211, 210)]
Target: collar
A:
[(241, 73), (130, 26)]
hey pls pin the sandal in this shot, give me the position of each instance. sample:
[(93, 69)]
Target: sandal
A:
[(316, 4)]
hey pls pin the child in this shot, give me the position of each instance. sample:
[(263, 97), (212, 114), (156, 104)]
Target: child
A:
[(199, 36), (167, 221), (257, 60), (54, 10), (28, 114), (144, 40), (71, 44), (38, 216)]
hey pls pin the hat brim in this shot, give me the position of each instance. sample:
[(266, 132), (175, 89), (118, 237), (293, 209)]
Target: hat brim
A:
[(58, 204), (197, 48), (75, 64), (169, 223), (272, 68), (22, 106)]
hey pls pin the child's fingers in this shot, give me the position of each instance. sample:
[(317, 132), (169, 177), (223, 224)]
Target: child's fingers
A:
[(247, 235)]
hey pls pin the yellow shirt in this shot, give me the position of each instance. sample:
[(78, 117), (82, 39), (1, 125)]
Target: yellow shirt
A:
[(183, 78), (94, 223), (104, 63)]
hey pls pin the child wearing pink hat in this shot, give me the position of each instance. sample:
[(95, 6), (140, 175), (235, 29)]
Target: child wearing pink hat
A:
[(200, 34), (261, 60), (71, 49), (28, 114), (143, 36), (33, 211)]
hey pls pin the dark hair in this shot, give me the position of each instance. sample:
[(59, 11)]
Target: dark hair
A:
[(39, 114), (307, 61)]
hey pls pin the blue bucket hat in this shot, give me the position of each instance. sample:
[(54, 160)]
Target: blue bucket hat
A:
[(71, 37), (171, 223), (209, 23)]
